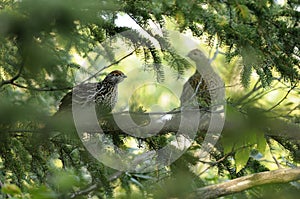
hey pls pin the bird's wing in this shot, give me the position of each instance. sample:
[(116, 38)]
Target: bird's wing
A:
[(65, 102), (195, 87), (81, 95)]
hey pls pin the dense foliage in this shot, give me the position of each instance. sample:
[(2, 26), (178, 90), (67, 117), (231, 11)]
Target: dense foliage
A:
[(255, 42)]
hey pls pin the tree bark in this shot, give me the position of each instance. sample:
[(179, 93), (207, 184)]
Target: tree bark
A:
[(247, 182)]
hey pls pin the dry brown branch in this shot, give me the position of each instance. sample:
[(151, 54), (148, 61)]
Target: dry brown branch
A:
[(247, 182)]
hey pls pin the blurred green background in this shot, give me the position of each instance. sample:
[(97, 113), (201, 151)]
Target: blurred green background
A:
[(48, 47)]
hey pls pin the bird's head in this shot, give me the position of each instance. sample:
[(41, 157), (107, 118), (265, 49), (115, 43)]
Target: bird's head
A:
[(115, 77), (196, 55)]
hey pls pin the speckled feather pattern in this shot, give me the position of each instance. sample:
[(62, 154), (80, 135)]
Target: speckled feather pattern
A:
[(104, 94)]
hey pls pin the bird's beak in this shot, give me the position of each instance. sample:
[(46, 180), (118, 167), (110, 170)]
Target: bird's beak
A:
[(188, 55)]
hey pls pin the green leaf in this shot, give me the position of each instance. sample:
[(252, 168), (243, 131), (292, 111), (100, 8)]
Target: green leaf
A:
[(42, 193), (261, 142), (227, 145), (65, 180), (241, 158), (11, 189), (243, 11)]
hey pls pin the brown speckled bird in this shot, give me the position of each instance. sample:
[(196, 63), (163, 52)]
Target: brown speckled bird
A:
[(196, 88), (204, 85), (104, 94)]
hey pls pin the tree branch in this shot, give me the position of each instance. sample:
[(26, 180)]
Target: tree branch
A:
[(10, 81), (247, 182), (112, 64), (246, 96), (93, 187), (40, 89), (285, 97)]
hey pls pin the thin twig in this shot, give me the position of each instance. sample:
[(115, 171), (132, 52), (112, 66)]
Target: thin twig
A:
[(105, 67), (40, 89), (271, 151), (10, 81), (96, 186), (215, 55), (259, 95), (111, 178), (196, 90), (284, 98), (211, 164), (255, 88)]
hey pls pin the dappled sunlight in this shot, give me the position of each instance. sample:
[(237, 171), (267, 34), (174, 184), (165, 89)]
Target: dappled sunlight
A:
[(203, 95)]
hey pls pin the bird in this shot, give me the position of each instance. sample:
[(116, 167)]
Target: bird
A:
[(102, 94), (195, 87), (204, 84)]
